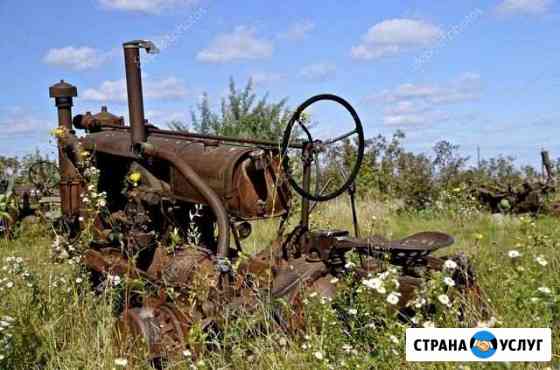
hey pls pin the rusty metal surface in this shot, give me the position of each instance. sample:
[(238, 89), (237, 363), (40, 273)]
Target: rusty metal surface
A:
[(233, 173)]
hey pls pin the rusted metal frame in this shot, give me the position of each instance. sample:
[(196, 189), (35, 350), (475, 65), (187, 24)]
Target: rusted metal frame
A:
[(207, 139), (197, 182)]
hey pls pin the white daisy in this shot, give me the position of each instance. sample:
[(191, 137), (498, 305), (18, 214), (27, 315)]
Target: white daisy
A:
[(443, 299), (541, 260), (122, 362), (393, 298), (450, 264), (449, 281)]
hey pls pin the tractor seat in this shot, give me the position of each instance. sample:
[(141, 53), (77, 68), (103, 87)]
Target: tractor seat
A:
[(413, 247)]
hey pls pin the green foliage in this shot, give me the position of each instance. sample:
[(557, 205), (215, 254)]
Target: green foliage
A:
[(242, 114)]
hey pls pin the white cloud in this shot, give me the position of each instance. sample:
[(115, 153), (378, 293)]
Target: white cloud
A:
[(161, 117), (531, 7), (394, 36), (405, 119), (241, 44), (19, 122), (115, 91), (298, 31), (318, 72), (76, 58), (416, 104), (466, 88), (264, 78), (145, 6)]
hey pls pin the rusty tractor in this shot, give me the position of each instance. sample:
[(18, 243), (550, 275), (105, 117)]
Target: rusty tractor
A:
[(217, 186)]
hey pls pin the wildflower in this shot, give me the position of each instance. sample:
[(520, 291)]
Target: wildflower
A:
[(514, 254), (541, 260), (79, 280), (304, 346), (319, 355), (450, 264), (84, 154), (487, 324), (534, 299), (443, 299), (394, 339), (313, 294), (101, 202), (428, 324), (478, 236), (122, 362), (420, 302), (334, 280), (448, 281), (114, 279), (353, 311), (187, 353), (9, 284), (349, 265), (58, 132), (544, 290), (393, 298), (134, 177), (347, 348), (373, 283)]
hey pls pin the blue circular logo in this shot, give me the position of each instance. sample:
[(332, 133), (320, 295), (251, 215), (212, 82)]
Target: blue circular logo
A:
[(483, 344)]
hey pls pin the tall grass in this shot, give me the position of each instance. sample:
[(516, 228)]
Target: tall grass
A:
[(59, 324)]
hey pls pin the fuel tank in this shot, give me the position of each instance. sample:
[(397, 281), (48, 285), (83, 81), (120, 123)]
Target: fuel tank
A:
[(249, 181)]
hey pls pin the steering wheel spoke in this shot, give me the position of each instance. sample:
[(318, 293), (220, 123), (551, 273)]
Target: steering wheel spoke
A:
[(339, 138)]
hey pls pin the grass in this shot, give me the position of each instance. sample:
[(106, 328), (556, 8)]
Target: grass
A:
[(58, 324)]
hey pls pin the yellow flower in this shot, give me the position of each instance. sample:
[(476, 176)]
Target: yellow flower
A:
[(456, 190), (135, 176), (58, 132), (478, 236)]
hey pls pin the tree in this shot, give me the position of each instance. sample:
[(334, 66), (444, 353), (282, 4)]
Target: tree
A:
[(448, 163), (241, 115)]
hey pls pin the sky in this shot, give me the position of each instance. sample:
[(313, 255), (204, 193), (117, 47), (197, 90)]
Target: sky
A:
[(475, 73)]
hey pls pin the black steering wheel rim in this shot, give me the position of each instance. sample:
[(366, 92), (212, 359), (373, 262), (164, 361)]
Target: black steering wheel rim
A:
[(286, 141)]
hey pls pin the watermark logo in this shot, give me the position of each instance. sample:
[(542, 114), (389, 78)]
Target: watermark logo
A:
[(483, 344), (463, 345)]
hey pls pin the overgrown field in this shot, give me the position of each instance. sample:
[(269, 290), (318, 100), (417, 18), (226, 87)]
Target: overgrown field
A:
[(51, 320)]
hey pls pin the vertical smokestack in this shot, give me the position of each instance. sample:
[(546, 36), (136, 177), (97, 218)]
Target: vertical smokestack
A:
[(134, 88), (63, 93)]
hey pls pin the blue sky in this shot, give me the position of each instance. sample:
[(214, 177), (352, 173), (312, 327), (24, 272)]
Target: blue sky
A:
[(473, 72)]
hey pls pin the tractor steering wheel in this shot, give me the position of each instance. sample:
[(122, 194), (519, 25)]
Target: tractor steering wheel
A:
[(311, 148)]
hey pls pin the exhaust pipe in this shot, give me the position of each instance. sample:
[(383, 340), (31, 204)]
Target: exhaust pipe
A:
[(134, 89)]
